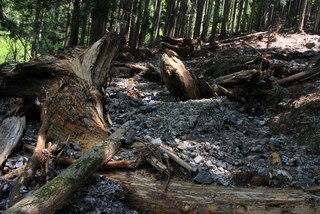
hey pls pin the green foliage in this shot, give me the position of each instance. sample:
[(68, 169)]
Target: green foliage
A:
[(12, 50)]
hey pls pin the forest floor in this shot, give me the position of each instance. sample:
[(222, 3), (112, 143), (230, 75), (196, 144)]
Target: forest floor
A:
[(227, 143)]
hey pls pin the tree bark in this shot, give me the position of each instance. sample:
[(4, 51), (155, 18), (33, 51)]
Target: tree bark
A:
[(67, 85), (75, 23), (70, 82), (11, 130), (302, 13), (197, 28), (244, 16), (225, 18), (98, 24), (183, 197), (215, 20), (253, 9), (206, 22), (317, 21), (156, 22), (180, 82)]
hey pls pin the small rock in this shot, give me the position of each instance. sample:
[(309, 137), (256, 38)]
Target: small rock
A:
[(204, 177), (198, 159), (310, 45), (284, 173), (220, 179), (156, 141)]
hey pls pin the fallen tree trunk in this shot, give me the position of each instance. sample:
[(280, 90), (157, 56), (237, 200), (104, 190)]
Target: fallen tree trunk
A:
[(54, 194), (301, 76), (146, 196)]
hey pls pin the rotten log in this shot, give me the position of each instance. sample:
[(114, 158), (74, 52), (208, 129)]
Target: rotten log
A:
[(181, 82), (239, 78), (11, 131), (182, 46), (301, 76), (54, 194), (146, 196), (245, 37)]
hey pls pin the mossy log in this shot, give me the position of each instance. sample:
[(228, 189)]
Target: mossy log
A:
[(54, 194)]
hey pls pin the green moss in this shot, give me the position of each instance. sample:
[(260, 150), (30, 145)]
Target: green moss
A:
[(54, 187)]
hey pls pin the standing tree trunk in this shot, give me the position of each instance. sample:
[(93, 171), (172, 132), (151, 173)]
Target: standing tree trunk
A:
[(197, 28), (156, 22), (244, 16), (207, 19), (239, 15), (75, 23), (302, 13), (234, 15), (36, 30), (215, 20), (317, 22), (98, 16), (67, 28), (182, 19), (145, 21), (253, 9), (191, 19), (134, 22), (225, 18)]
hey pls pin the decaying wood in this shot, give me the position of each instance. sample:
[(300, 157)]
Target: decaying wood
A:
[(71, 80), (180, 82), (146, 196), (245, 37), (11, 131), (26, 177), (178, 160), (182, 46), (54, 194), (301, 76), (239, 78)]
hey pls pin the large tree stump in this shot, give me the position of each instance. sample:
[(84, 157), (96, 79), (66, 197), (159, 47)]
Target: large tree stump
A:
[(181, 82), (69, 83), (66, 87)]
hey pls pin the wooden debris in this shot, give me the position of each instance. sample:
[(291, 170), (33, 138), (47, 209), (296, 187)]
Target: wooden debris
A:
[(239, 78), (182, 46), (26, 177), (178, 160), (54, 194), (183, 197), (301, 76), (11, 131)]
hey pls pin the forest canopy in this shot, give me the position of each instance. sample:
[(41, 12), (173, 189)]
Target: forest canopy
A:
[(29, 29)]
